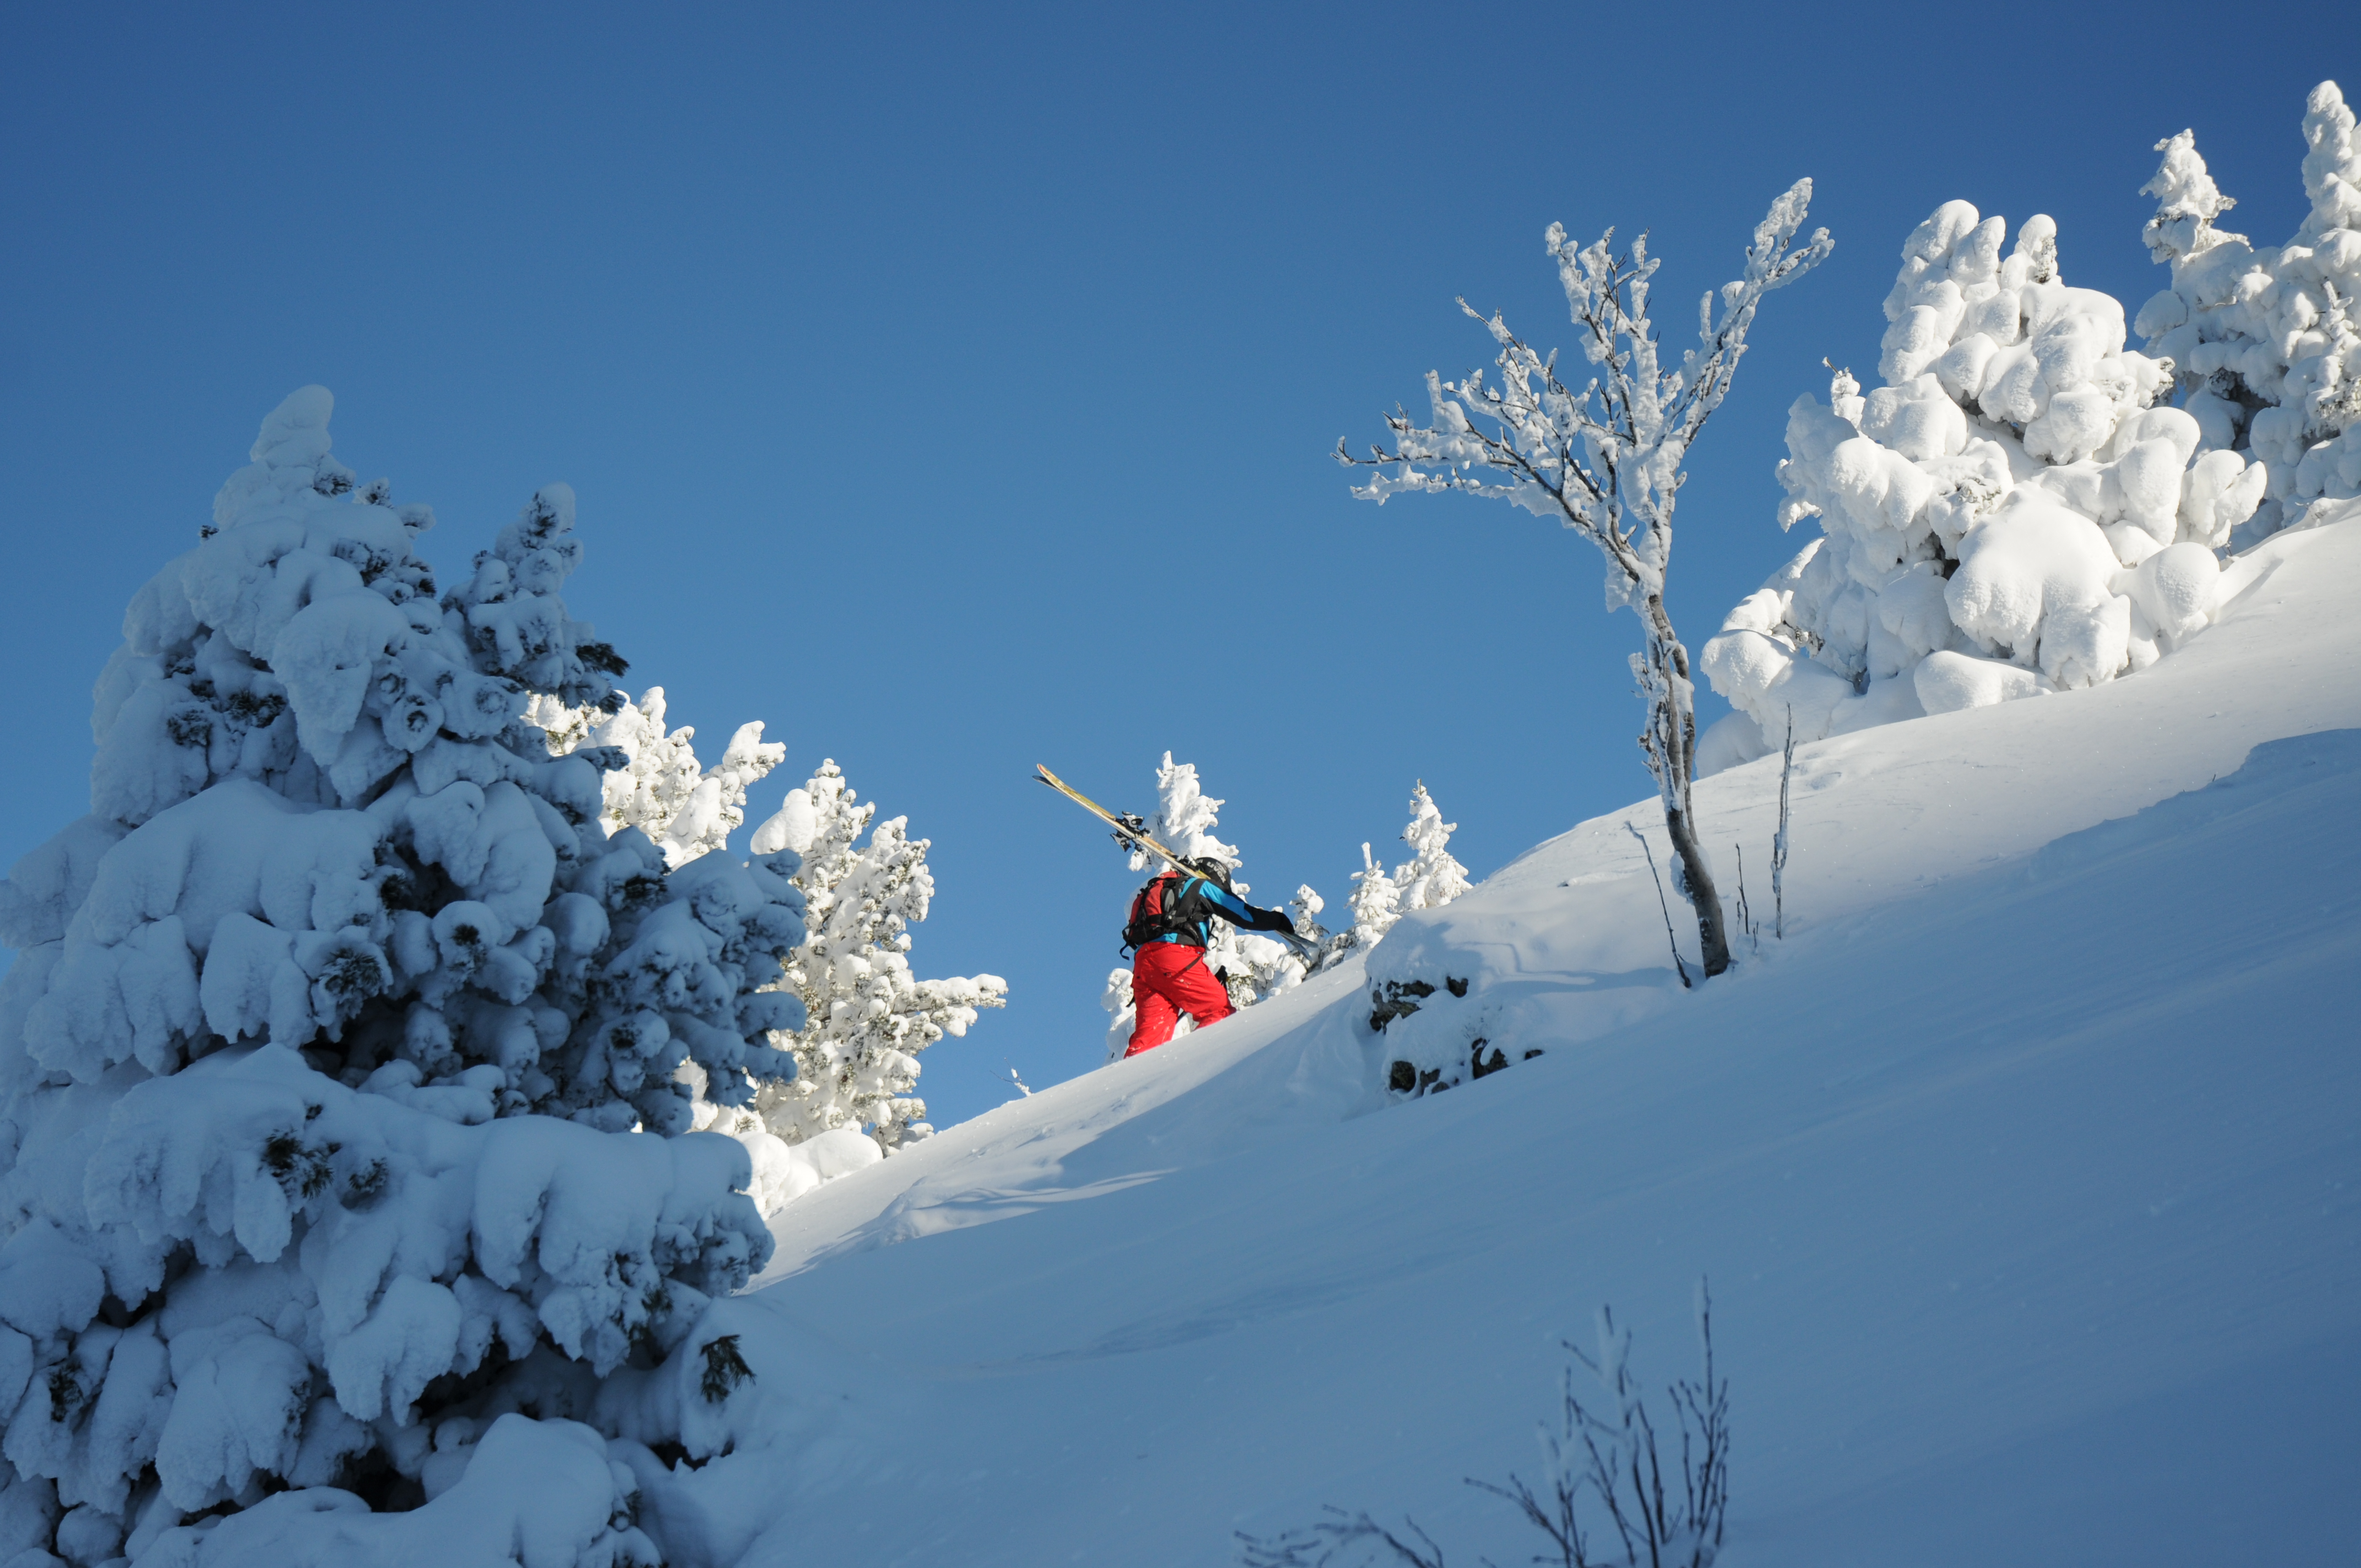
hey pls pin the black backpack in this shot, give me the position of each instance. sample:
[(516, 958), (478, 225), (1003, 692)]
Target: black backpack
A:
[(1155, 912)]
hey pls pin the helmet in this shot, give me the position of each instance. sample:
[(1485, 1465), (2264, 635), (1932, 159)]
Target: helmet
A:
[(1209, 868)]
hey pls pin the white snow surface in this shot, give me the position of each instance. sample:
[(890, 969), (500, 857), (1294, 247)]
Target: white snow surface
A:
[(2026, 1171)]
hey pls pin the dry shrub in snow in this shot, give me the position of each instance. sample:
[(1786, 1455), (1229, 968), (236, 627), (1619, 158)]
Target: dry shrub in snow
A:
[(1612, 1494), (321, 1057)]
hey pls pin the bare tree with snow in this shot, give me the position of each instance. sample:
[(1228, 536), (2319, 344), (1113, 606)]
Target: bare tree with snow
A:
[(1604, 459)]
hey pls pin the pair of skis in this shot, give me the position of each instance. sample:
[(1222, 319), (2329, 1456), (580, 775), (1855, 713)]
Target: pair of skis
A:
[(1131, 832)]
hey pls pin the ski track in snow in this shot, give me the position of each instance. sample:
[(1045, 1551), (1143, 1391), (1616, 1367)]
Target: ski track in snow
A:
[(2025, 1171)]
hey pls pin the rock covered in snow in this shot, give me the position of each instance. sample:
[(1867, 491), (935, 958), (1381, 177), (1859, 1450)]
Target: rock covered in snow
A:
[(1985, 513), (323, 1054), (2267, 340)]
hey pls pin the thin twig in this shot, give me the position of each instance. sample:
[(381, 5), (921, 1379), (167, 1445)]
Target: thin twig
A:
[(1779, 840), (1746, 922), (1662, 904)]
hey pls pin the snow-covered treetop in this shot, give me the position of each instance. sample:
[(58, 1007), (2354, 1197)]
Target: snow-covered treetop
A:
[(1433, 878), (1604, 459), (2332, 165), (868, 1014), (1375, 902), (663, 791), (2186, 203), (2267, 340), (1185, 819), (297, 740)]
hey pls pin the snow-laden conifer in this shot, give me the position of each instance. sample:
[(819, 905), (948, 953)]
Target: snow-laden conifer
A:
[(869, 1017), (1303, 911), (321, 1054), (1375, 902), (1431, 878), (1605, 459), (1123, 1013), (2015, 511), (2267, 340)]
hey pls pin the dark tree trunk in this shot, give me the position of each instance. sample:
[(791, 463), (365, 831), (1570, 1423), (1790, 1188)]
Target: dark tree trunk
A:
[(1670, 742)]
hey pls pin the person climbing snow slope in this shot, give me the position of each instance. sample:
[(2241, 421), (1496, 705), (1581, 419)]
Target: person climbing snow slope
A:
[(1170, 924)]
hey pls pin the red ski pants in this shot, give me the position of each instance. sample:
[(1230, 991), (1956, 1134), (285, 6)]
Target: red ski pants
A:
[(1169, 979)]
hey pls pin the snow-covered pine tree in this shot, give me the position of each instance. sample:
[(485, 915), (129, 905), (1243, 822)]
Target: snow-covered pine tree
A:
[(1305, 909), (1123, 1014), (868, 1015), (687, 811), (1375, 902), (321, 1056), (2268, 342), (1431, 879), (1606, 461), (2012, 512)]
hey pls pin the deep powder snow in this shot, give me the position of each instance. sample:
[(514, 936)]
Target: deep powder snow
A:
[(2025, 1171)]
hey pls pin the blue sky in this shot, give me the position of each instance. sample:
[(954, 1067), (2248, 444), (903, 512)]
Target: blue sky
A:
[(952, 387)]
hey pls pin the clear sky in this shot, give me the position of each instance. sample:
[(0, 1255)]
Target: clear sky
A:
[(950, 388)]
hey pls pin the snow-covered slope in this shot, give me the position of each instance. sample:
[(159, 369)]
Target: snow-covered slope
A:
[(2027, 1172)]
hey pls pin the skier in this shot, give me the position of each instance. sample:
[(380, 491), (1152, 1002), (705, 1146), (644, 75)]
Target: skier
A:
[(1170, 925)]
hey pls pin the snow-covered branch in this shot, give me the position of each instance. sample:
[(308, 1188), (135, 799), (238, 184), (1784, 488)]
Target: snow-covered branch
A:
[(1604, 460)]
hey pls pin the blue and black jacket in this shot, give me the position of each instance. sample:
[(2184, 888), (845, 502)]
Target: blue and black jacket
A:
[(1177, 907)]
